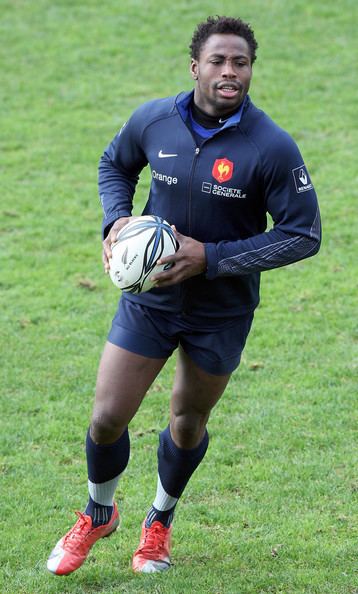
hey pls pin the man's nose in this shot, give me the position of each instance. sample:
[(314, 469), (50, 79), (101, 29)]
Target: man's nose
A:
[(228, 70)]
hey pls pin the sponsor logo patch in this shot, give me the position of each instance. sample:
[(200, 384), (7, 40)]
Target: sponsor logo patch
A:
[(223, 170), (302, 179), (162, 177), (162, 155), (222, 191)]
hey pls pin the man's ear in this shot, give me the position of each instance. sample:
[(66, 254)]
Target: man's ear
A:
[(194, 69)]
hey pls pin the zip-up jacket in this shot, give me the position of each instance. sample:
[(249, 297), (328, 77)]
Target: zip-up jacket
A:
[(219, 193)]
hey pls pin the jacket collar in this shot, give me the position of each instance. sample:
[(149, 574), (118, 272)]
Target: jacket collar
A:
[(183, 101)]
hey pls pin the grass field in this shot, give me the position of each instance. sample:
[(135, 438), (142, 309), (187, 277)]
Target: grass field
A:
[(273, 508)]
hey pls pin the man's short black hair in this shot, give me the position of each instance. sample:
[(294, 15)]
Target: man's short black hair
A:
[(222, 24)]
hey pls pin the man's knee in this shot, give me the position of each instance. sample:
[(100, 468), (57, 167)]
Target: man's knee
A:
[(188, 428), (106, 427)]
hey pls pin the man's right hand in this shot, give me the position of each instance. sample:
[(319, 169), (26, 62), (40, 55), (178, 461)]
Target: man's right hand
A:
[(111, 239)]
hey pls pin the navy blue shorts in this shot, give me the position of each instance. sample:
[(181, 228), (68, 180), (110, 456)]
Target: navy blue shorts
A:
[(215, 345)]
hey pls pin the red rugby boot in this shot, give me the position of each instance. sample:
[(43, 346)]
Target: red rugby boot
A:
[(72, 549), (153, 553)]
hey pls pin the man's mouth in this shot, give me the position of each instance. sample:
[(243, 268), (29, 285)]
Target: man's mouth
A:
[(229, 90)]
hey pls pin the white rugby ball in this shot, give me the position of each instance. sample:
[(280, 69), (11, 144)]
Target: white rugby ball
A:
[(138, 247)]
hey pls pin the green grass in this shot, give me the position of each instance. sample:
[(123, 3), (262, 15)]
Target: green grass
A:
[(273, 508)]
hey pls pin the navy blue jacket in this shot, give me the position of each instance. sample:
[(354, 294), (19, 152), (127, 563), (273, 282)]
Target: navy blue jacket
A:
[(218, 193)]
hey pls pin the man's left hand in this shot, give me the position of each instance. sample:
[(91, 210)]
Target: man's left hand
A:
[(189, 260)]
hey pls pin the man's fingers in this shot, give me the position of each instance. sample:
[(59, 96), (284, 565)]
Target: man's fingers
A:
[(111, 240), (167, 260), (107, 249), (105, 261), (174, 273)]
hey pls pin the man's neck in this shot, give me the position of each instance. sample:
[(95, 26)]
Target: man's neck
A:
[(208, 121)]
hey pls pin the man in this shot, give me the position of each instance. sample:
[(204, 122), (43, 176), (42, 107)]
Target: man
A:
[(218, 166)]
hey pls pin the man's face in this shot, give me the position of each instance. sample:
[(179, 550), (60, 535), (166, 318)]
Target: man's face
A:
[(223, 73)]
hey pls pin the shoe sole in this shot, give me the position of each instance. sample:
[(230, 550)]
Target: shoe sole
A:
[(153, 567)]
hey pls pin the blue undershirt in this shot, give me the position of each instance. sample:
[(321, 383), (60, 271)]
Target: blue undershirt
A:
[(205, 133)]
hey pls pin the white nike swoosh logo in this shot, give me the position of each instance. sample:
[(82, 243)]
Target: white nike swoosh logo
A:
[(223, 121), (162, 155)]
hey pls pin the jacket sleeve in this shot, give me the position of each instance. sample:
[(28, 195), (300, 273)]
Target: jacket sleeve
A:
[(118, 174), (291, 201)]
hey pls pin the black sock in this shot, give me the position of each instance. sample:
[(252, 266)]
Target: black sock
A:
[(175, 467), (105, 464)]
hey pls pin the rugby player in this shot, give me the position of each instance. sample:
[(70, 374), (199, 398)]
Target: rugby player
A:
[(219, 165)]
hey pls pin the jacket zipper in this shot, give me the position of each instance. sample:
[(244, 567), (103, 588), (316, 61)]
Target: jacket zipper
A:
[(185, 310), (196, 154)]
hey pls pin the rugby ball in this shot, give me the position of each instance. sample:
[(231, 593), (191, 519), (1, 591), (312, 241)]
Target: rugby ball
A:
[(138, 247)]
